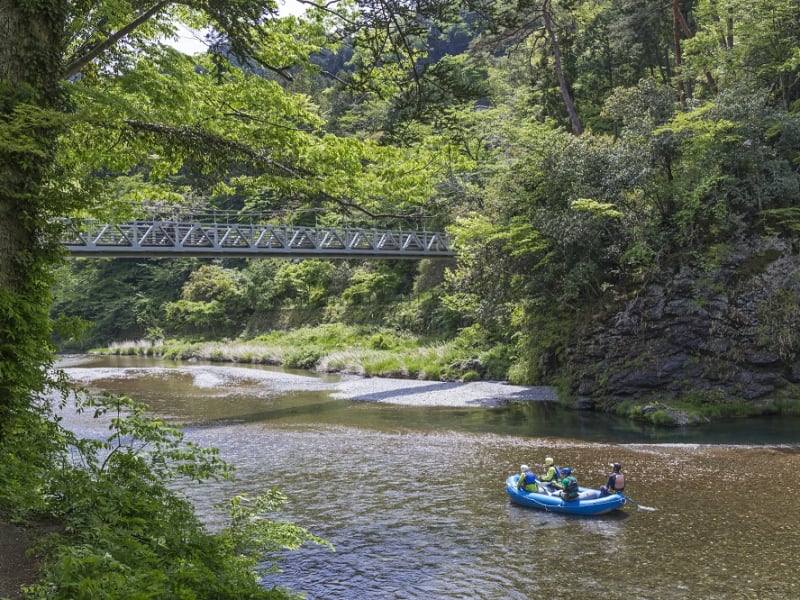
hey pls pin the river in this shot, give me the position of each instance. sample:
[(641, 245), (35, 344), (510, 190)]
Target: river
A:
[(413, 497)]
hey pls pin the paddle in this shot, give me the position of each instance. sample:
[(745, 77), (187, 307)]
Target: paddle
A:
[(630, 500), (636, 504), (547, 490)]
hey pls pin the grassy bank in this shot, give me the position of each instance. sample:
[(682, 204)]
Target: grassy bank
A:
[(336, 348)]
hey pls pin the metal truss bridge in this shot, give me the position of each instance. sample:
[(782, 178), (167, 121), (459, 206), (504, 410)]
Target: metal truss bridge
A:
[(179, 237)]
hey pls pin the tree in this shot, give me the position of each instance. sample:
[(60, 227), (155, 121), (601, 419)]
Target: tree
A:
[(212, 302), (90, 97), (48, 50), (31, 37), (306, 281), (536, 25), (640, 33), (116, 299), (547, 18), (754, 42)]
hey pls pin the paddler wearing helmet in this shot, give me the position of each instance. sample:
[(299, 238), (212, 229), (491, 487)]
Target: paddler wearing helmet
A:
[(527, 479), (551, 471)]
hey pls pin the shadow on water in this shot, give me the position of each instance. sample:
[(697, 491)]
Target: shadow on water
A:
[(530, 419), (533, 420)]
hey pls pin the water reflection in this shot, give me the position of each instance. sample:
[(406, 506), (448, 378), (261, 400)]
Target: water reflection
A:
[(414, 499)]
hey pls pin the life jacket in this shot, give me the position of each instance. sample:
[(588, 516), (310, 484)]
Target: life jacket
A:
[(526, 479), (570, 487), (619, 482), (558, 471)]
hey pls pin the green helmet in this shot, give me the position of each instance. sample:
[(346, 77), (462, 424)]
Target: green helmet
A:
[(548, 461)]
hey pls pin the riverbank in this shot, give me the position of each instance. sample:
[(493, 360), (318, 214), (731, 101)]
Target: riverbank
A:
[(443, 369), (440, 393), (337, 348), (387, 390)]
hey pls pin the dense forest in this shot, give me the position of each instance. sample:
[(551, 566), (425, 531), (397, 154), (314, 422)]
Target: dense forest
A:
[(621, 179), (580, 153)]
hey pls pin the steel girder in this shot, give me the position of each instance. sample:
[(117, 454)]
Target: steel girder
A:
[(162, 238)]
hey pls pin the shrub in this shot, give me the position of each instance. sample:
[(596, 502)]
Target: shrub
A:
[(432, 372), (496, 361), (126, 533), (383, 364), (304, 357), (662, 417), (471, 376), (378, 342)]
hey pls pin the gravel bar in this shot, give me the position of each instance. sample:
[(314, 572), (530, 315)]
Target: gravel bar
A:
[(413, 392)]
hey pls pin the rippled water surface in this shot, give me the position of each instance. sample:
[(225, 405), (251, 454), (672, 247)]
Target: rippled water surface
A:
[(414, 501)]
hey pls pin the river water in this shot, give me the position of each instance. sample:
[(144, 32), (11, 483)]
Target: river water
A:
[(414, 502)]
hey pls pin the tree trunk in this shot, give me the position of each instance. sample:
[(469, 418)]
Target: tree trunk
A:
[(677, 17), (562, 80), (31, 38)]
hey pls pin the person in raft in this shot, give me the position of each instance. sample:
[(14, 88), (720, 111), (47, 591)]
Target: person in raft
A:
[(527, 479), (616, 481), (551, 474), (568, 485)]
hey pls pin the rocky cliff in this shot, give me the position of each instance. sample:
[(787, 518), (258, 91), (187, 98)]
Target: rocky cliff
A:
[(711, 335)]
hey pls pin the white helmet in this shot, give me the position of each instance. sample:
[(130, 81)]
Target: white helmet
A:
[(523, 468)]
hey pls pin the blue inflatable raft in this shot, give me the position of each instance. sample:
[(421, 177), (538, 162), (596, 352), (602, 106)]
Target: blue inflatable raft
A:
[(589, 501)]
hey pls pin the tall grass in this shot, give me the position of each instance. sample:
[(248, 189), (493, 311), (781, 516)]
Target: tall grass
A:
[(137, 348), (329, 348)]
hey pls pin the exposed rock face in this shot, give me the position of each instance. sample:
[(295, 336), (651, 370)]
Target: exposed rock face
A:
[(730, 332)]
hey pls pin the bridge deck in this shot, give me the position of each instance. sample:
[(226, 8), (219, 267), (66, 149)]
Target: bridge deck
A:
[(162, 238)]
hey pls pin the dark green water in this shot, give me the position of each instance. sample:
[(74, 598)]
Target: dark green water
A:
[(413, 499)]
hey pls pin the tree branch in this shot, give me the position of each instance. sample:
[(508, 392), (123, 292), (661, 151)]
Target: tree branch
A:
[(196, 138), (76, 64), (328, 7)]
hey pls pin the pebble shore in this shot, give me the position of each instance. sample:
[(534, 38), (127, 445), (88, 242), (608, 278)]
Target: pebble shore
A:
[(413, 392)]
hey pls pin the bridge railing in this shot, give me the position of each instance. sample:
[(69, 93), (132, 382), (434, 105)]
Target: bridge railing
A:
[(167, 237)]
